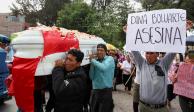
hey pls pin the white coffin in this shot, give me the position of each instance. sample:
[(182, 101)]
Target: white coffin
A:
[(30, 43)]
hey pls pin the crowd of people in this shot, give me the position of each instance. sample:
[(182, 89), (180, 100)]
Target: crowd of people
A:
[(73, 88), (149, 79), (76, 88), (79, 90)]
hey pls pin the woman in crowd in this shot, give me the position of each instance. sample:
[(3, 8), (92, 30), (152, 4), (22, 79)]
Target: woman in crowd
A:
[(186, 103), (127, 67)]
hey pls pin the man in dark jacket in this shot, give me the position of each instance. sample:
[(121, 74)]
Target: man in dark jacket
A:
[(69, 83)]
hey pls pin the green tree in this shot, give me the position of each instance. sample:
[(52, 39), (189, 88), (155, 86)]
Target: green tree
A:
[(29, 8), (50, 10), (77, 15), (106, 23), (100, 4), (43, 11), (110, 22), (164, 4), (148, 4), (122, 9), (188, 6)]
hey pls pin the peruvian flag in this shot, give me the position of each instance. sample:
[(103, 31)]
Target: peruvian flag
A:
[(24, 69)]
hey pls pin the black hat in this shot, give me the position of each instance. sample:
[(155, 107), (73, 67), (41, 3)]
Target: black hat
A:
[(102, 46)]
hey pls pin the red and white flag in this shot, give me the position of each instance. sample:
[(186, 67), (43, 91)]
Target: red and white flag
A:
[(24, 68)]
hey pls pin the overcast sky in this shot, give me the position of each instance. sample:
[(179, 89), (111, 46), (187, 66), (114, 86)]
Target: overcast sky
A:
[(5, 5)]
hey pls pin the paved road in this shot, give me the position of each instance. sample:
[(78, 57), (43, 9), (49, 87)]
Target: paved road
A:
[(8, 106), (122, 101)]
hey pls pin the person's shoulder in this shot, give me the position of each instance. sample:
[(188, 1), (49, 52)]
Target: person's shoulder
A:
[(57, 68), (109, 58), (81, 73), (124, 62), (80, 70), (2, 50)]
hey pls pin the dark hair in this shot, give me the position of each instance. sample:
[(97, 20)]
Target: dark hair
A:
[(191, 54), (102, 46), (77, 53)]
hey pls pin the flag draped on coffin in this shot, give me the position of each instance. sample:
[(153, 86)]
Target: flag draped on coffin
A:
[(24, 68), (53, 42), (23, 76)]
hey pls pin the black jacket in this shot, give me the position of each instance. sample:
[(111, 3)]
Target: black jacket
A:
[(69, 89)]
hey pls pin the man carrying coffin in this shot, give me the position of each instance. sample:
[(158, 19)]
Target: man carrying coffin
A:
[(69, 83), (153, 80)]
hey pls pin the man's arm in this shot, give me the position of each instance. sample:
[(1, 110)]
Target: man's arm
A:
[(167, 60), (103, 66), (138, 59), (58, 79)]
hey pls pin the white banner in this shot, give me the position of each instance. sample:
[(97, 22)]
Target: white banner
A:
[(157, 31)]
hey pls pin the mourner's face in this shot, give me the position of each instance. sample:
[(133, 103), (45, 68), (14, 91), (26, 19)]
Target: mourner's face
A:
[(101, 53), (151, 57), (71, 63), (111, 53), (190, 59), (2, 45)]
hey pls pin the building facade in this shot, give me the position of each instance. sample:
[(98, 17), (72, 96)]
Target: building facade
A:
[(11, 24)]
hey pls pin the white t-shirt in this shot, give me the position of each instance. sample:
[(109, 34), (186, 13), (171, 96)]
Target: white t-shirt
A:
[(126, 67)]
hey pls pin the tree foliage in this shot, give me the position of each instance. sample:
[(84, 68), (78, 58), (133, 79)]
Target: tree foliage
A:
[(110, 22), (104, 18), (44, 11), (164, 4), (100, 4), (50, 10), (77, 15), (188, 5), (103, 22), (29, 8)]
